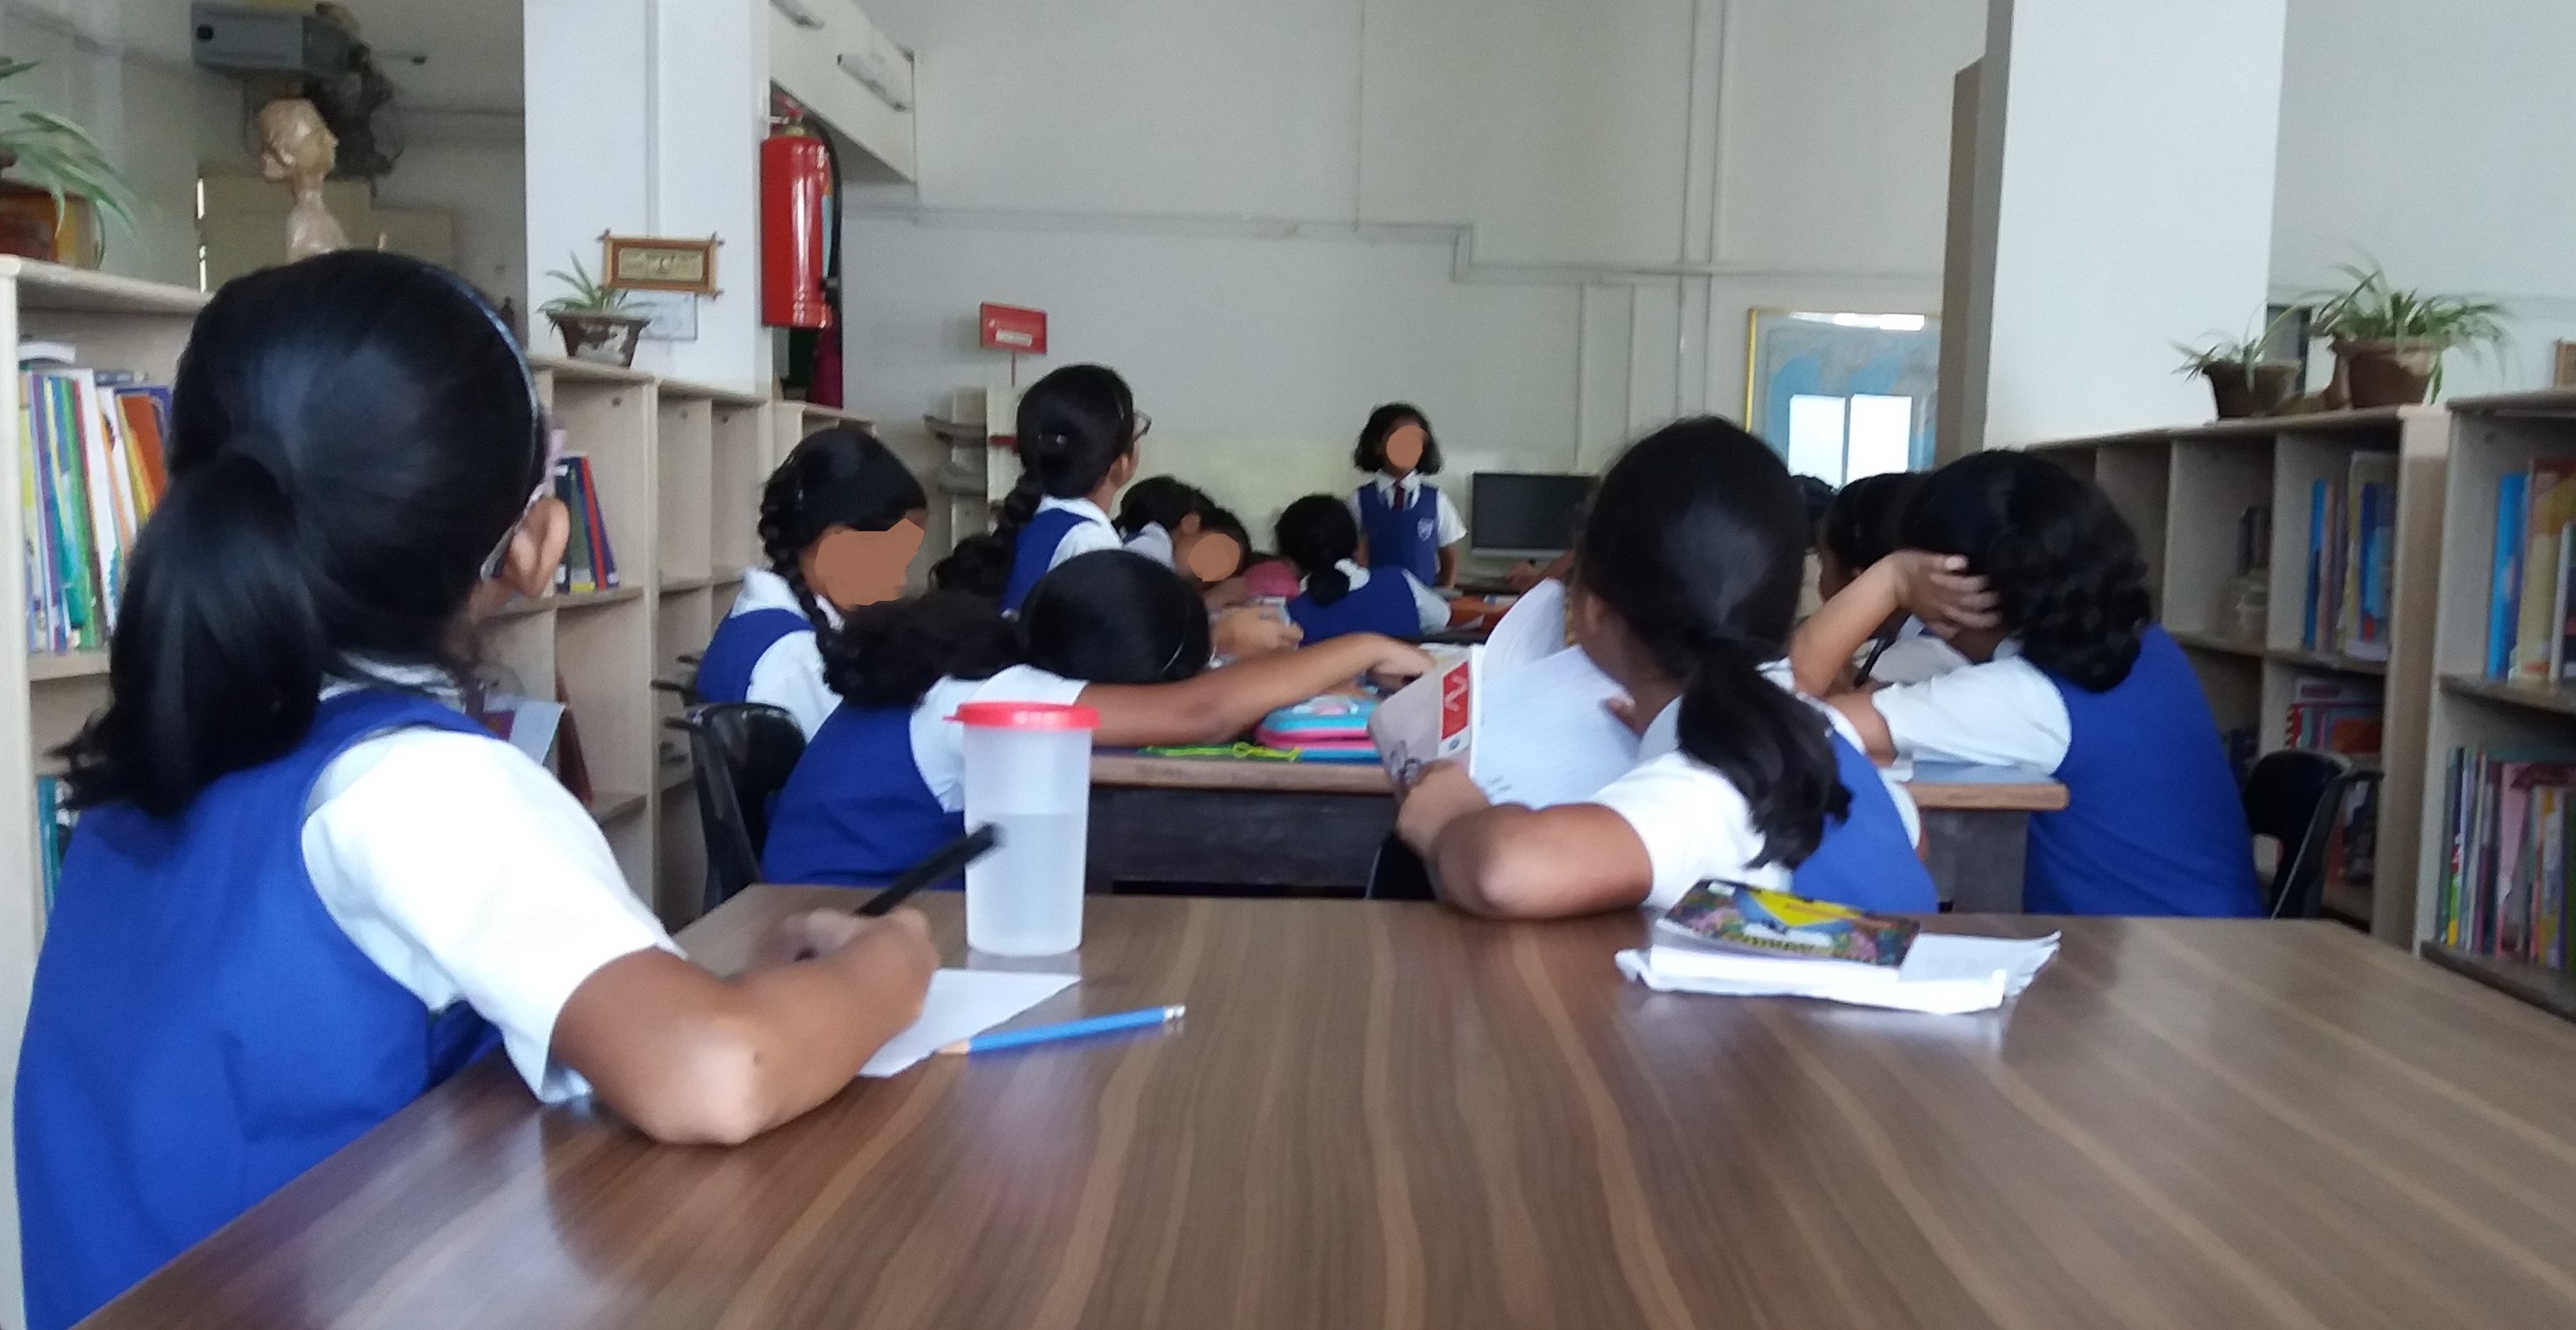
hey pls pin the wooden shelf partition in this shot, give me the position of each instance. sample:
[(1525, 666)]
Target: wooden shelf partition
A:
[(2184, 490)]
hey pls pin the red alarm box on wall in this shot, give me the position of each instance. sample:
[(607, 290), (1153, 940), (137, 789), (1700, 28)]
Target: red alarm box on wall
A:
[(795, 175), (1013, 329)]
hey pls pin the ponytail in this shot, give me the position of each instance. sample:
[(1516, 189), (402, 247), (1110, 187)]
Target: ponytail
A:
[(1317, 533), (1074, 425), (1769, 744), (219, 653), (889, 654), (1695, 543), (349, 437)]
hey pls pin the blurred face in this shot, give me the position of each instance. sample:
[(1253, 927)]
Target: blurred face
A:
[(1404, 448), (1212, 557), (850, 569)]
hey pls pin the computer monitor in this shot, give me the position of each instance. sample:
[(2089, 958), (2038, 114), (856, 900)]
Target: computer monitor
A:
[(1524, 515)]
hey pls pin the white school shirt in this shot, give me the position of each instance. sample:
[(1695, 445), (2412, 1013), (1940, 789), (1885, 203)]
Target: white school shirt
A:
[(1449, 528), (1693, 821), (790, 673), (939, 744), (468, 873), (2002, 713), (1095, 532), (1428, 608), (1916, 655)]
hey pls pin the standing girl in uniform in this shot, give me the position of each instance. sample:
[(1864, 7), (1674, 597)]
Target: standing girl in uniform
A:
[(1408, 523), (2072, 679), (305, 888), (1078, 431), (883, 783), (1335, 595), (840, 520), (1686, 578)]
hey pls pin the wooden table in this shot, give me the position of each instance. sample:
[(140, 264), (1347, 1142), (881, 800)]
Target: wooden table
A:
[(1316, 827), (1386, 1115)]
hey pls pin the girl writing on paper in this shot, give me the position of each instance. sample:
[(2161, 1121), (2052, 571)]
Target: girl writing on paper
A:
[(305, 887)]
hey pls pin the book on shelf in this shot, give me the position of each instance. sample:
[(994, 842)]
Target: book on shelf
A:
[(2254, 538), (2504, 577), (2552, 506), (2504, 872), (91, 470), (2352, 542), (588, 564)]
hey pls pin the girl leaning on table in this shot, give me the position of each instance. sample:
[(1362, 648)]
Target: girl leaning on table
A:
[(2073, 679), (1686, 580), (883, 783), (306, 888)]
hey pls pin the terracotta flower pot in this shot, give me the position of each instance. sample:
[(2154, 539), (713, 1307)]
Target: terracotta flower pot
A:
[(31, 228), (2387, 373), (2260, 392), (607, 339)]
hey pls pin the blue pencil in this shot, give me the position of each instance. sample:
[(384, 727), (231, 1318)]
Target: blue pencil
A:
[(1048, 1034)]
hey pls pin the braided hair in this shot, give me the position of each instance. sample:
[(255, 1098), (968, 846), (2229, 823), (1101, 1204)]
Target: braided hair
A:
[(837, 477)]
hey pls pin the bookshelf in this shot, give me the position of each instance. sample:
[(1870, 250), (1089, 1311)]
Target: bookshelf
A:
[(2491, 437), (2184, 491)]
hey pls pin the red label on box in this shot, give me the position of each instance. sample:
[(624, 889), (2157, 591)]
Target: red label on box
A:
[(1453, 702), (1010, 328)]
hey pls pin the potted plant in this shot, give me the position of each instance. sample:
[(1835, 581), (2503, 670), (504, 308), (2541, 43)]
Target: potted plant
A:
[(594, 319), (2242, 381), (58, 185), (2388, 343)]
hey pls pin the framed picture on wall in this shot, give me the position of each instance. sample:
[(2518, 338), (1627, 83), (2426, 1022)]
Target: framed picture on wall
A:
[(1843, 395)]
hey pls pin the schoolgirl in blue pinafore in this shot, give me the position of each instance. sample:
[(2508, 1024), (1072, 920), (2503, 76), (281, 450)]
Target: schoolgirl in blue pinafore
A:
[(271, 1042), (1402, 535), (1867, 860), (1382, 604), (1039, 541), (857, 811)]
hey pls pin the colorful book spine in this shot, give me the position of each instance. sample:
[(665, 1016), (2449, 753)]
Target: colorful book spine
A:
[(603, 558), (2504, 586), (2317, 538)]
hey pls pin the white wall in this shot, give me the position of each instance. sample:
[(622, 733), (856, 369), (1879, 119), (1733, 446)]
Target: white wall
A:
[(646, 120), (2444, 148), (2133, 206), (1543, 222), (484, 186)]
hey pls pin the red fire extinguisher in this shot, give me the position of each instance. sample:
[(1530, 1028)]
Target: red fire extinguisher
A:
[(795, 173)]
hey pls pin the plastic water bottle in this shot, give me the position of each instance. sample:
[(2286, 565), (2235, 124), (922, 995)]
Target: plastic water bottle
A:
[(1028, 773)]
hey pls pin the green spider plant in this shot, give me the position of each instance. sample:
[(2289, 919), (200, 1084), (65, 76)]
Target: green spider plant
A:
[(60, 157)]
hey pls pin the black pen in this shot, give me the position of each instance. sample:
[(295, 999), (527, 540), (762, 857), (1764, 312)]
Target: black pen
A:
[(949, 862)]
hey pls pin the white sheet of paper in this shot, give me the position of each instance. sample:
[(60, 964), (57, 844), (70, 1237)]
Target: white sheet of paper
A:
[(961, 1005), (1532, 629), (1944, 974), (1545, 735)]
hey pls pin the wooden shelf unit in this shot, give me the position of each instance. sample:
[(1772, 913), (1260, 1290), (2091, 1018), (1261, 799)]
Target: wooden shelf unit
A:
[(2183, 491), (2491, 436)]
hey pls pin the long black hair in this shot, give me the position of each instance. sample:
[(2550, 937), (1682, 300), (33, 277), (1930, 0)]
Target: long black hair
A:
[(2065, 568), (1370, 454), (1164, 501), (1074, 425), (1104, 617), (351, 436), (1317, 533), (1695, 541), (837, 477), (1862, 525)]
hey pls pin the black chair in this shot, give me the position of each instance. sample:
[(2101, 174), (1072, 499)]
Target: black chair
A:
[(742, 752), (2293, 796)]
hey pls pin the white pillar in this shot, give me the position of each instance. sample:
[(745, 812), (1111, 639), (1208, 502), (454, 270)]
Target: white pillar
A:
[(2125, 177), (645, 118)]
